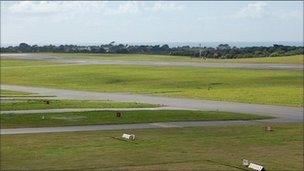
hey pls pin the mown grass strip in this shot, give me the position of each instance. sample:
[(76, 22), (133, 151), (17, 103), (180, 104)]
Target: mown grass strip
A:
[(110, 117), (157, 149)]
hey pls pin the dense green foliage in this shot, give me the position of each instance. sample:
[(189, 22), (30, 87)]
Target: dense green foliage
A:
[(222, 51), (295, 59), (199, 148), (109, 117)]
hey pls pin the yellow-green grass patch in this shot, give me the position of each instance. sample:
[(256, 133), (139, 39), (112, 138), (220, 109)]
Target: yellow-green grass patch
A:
[(238, 85), (110, 117), (199, 148), (61, 104)]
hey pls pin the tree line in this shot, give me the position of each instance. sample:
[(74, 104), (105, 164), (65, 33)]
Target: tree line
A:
[(223, 51)]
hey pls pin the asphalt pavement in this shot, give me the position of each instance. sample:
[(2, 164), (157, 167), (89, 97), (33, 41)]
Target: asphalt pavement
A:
[(283, 112)]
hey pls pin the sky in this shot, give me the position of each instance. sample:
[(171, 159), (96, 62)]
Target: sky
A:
[(97, 22)]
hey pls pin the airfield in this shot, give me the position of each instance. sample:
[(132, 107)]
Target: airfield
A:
[(187, 113), (163, 61)]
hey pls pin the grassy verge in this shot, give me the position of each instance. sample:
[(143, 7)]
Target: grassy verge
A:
[(125, 57), (239, 85), (20, 62), (13, 93), (200, 148), (295, 59), (109, 117), (60, 104)]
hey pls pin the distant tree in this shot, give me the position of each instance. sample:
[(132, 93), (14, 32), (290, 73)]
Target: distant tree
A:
[(221, 51), (23, 47), (223, 47)]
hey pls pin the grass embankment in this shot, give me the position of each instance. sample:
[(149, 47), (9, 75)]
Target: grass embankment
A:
[(109, 117), (295, 59), (60, 104), (250, 86), (199, 148)]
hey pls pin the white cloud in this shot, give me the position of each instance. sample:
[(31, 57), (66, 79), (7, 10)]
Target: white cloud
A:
[(48, 7), (55, 12), (133, 7), (31, 7), (165, 6), (126, 7), (257, 10), (103, 7), (253, 10)]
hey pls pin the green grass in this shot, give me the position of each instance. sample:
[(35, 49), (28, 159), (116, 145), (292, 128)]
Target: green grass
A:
[(22, 63), (295, 59), (125, 57), (239, 85), (13, 93), (109, 117), (60, 104), (199, 148)]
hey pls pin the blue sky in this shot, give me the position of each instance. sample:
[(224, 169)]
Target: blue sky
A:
[(154, 21)]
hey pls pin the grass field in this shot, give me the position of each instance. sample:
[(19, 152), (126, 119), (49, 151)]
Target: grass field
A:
[(60, 104), (109, 117), (13, 93), (124, 57), (295, 59), (239, 85), (18, 62), (200, 148)]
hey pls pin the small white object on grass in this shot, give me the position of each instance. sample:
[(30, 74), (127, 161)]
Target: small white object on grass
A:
[(256, 167), (245, 162), (128, 136), (43, 117)]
